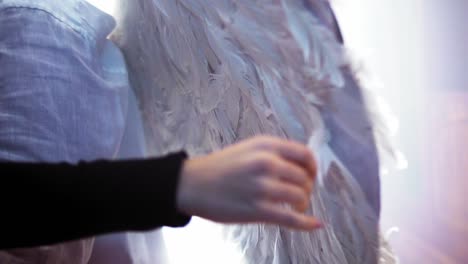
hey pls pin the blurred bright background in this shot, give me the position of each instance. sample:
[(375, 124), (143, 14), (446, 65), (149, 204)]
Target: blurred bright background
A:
[(418, 52), (107, 6)]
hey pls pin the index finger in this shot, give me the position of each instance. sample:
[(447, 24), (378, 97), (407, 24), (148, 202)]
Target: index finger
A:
[(295, 152)]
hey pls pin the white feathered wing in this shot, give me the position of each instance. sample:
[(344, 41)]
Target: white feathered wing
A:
[(209, 73)]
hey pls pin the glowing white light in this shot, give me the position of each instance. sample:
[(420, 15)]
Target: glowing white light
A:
[(200, 242), (107, 6)]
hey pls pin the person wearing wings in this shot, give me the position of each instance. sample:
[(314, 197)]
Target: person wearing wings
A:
[(199, 76)]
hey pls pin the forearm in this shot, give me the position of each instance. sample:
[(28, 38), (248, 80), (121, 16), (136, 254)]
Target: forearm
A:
[(51, 203)]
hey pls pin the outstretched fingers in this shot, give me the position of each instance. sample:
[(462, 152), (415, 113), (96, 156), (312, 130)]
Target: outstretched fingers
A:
[(293, 152), (278, 214), (284, 193), (293, 174)]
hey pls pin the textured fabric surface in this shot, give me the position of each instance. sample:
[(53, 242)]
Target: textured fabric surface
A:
[(62, 95)]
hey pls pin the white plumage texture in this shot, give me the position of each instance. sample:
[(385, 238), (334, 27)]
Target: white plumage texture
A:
[(209, 73)]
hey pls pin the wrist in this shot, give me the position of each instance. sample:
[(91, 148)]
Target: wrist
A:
[(183, 197)]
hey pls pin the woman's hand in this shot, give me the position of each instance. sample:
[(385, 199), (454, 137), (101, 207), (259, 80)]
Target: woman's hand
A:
[(251, 182)]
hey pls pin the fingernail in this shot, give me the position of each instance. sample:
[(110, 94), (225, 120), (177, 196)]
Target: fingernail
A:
[(319, 225)]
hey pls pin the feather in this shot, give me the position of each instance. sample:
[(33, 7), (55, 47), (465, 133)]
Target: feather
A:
[(209, 73)]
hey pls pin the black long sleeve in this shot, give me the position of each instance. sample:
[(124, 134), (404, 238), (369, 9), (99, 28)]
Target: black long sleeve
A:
[(49, 203)]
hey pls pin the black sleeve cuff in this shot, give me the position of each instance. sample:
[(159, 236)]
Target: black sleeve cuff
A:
[(155, 192), (138, 195), (167, 187)]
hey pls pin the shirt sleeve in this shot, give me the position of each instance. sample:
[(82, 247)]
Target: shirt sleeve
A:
[(44, 204)]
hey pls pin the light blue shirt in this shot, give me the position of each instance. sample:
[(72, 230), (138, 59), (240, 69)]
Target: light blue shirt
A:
[(63, 85), (64, 96)]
